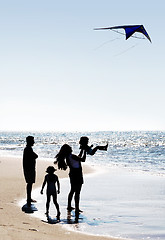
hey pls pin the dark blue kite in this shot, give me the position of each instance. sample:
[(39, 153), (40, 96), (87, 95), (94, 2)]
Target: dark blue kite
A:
[(129, 30)]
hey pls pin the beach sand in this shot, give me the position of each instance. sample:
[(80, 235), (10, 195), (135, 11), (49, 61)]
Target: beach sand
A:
[(15, 224)]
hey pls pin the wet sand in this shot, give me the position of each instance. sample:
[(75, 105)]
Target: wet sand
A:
[(17, 225)]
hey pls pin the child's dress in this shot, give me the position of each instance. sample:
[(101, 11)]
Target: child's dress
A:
[(51, 184)]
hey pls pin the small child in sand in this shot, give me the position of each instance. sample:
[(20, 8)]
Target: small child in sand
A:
[(89, 149), (51, 179)]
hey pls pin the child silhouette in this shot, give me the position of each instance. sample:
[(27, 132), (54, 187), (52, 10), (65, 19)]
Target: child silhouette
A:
[(89, 149), (51, 179)]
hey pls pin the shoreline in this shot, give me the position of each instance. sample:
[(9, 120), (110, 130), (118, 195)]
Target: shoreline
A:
[(17, 225)]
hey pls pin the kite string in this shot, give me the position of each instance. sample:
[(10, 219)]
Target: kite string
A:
[(104, 43), (126, 50)]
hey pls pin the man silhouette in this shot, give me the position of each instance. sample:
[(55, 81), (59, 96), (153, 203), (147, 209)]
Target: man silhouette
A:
[(29, 163)]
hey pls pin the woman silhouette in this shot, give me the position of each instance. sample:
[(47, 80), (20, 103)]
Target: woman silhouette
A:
[(66, 158)]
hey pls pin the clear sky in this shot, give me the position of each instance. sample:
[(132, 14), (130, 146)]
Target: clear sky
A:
[(58, 74)]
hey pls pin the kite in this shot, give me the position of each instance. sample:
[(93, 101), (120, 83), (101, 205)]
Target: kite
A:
[(129, 30)]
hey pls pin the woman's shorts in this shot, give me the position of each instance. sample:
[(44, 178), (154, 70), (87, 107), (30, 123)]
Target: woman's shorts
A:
[(30, 176), (76, 176)]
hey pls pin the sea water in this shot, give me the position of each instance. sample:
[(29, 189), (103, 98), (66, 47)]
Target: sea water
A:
[(126, 198)]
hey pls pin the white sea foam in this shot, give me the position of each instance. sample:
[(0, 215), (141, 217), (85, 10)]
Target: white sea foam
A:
[(139, 151)]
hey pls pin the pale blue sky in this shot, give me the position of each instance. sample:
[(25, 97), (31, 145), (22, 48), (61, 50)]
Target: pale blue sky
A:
[(57, 74)]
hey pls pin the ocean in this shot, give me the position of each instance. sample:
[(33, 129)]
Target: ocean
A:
[(125, 198)]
